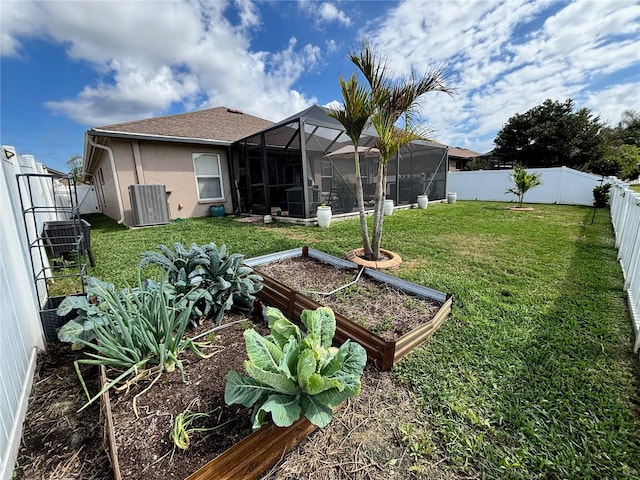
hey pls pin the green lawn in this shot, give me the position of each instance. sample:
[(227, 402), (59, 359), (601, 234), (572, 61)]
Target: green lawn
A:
[(635, 188), (533, 375)]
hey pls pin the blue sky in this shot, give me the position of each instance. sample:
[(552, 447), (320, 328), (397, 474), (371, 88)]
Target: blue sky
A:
[(69, 66)]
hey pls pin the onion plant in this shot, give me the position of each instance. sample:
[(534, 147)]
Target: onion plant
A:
[(139, 335), (182, 425)]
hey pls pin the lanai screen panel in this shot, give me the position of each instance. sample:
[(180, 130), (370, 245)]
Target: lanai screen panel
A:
[(333, 175), (420, 167)]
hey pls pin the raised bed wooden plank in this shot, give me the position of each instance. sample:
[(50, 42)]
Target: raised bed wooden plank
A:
[(255, 454), (109, 432), (418, 336), (248, 459)]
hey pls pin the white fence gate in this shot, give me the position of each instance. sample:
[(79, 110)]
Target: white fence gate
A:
[(625, 216), (560, 185)]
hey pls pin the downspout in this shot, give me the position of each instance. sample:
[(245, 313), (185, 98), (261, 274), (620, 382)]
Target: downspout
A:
[(115, 175)]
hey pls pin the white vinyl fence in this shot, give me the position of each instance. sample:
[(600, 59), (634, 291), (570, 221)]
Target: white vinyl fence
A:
[(560, 185), (625, 216), (22, 335)]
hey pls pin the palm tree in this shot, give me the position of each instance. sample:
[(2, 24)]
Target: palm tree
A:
[(523, 181), (392, 100), (354, 117)]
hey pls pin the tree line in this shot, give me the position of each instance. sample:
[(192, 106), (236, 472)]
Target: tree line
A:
[(557, 134)]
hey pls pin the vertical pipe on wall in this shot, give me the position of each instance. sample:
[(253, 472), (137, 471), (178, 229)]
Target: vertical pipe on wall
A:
[(115, 175)]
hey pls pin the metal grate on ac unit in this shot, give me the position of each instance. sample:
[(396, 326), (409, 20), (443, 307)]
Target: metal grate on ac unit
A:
[(149, 205)]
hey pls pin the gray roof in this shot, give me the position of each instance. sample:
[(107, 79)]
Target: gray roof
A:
[(220, 124)]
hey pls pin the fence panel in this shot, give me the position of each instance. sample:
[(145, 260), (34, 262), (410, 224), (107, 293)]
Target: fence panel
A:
[(625, 216), (560, 185), (21, 332)]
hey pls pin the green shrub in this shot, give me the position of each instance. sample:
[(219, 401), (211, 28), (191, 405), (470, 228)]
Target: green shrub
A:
[(601, 195)]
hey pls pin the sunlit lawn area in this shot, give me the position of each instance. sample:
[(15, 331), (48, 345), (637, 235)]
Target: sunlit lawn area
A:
[(531, 377)]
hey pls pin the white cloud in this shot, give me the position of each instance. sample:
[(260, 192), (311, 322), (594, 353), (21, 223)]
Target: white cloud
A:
[(507, 58), (328, 12), (151, 55)]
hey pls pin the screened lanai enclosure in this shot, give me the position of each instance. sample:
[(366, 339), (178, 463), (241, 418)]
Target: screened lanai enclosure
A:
[(294, 166)]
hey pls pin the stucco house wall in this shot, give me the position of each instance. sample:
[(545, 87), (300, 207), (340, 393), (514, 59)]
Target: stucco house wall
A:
[(160, 150), (172, 165)]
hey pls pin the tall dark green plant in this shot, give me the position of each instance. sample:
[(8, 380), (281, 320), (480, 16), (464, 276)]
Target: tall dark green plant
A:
[(601, 195), (214, 279)]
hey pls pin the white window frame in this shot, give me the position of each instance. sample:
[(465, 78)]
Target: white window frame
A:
[(215, 156)]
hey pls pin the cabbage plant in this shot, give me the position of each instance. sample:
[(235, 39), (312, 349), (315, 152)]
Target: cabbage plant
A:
[(292, 374)]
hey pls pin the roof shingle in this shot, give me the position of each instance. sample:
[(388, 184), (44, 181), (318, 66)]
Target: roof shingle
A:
[(220, 123)]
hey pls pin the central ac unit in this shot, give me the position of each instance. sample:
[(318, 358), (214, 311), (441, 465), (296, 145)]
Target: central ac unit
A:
[(149, 205)]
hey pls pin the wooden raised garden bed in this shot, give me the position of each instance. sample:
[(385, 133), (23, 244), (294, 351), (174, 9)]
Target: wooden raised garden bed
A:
[(382, 351), (251, 456), (248, 456)]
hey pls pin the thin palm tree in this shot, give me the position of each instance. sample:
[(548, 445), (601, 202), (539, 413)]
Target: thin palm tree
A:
[(523, 181), (354, 117), (393, 101)]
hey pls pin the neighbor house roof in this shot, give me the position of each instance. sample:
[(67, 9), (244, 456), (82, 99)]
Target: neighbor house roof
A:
[(220, 125), (462, 152)]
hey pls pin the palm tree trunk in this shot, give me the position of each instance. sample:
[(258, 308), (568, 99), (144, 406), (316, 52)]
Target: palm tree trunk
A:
[(364, 230), (378, 216)]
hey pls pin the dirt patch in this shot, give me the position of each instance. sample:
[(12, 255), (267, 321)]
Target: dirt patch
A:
[(145, 449), (58, 442), (365, 439), (383, 309)]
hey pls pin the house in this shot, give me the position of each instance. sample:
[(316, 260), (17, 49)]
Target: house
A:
[(249, 165), (188, 153), (459, 157)]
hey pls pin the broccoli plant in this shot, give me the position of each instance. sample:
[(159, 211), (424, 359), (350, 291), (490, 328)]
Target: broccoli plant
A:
[(291, 374), (215, 280)]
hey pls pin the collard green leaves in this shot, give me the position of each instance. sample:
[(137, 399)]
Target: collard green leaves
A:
[(291, 374)]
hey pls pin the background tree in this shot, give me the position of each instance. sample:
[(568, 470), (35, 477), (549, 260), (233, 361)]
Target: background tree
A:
[(551, 135), (75, 166), (621, 149)]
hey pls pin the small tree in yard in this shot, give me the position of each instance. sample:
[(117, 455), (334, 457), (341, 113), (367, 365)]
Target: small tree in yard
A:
[(523, 181), (383, 103)]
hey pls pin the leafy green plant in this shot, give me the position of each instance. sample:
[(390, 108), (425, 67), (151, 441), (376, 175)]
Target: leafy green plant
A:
[(291, 374), (91, 310), (523, 181), (139, 335), (601, 195), (215, 280)]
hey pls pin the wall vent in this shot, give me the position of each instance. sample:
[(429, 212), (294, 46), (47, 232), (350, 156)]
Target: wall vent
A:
[(149, 205)]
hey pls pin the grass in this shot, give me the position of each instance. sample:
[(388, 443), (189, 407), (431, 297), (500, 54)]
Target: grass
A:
[(532, 376), (635, 188)]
